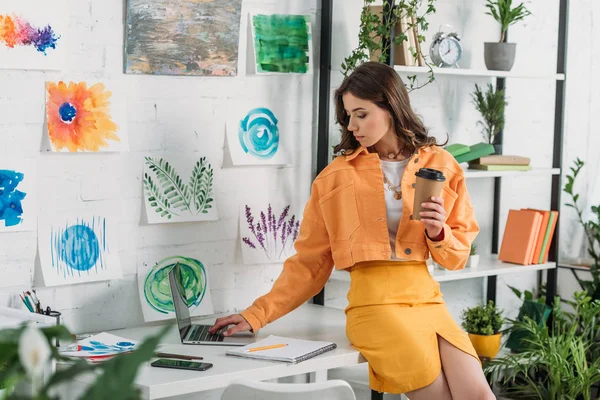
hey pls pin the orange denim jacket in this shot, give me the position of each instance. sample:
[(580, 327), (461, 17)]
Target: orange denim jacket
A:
[(345, 223)]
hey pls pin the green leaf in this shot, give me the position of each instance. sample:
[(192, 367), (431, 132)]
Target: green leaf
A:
[(201, 184), (173, 188), (156, 199)]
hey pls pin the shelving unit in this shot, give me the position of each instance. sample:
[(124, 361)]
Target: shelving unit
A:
[(401, 69), (490, 267)]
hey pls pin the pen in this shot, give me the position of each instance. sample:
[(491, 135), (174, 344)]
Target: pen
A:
[(181, 356), (72, 347), (273, 346), (26, 303)]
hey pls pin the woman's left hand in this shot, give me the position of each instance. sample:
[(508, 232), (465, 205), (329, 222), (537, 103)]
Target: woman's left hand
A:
[(434, 218)]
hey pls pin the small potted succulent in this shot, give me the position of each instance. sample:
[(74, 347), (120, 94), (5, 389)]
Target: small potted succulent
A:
[(473, 260), (483, 324), (500, 56)]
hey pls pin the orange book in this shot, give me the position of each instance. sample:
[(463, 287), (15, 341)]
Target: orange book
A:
[(520, 236), (541, 234)]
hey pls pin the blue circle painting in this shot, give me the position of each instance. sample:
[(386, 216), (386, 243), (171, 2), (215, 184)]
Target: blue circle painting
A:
[(258, 133), (80, 248)]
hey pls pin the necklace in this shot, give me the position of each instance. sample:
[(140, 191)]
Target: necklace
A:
[(397, 191), (390, 156)]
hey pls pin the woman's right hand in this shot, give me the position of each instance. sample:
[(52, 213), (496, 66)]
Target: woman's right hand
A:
[(239, 322)]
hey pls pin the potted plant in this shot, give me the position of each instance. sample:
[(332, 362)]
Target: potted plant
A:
[(501, 56), (377, 33), (592, 232), (535, 309), (491, 106), (483, 324), (27, 354), (473, 260), (562, 361)]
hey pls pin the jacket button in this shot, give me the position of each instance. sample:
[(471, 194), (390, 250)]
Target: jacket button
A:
[(413, 185), (407, 251), (416, 160)]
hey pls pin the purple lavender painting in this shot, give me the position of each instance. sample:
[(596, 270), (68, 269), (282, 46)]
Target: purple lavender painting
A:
[(267, 235)]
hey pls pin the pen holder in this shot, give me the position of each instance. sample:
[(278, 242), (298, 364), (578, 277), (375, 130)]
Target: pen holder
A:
[(56, 316)]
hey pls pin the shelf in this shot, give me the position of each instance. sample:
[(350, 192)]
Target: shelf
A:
[(477, 72), (489, 266), (473, 173), (575, 267)]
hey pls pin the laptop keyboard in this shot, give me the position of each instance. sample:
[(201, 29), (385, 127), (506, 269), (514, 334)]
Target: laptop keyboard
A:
[(200, 334)]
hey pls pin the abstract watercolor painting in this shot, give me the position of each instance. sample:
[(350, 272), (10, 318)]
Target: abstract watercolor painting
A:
[(32, 36), (102, 344), (78, 249), (82, 118), (17, 201), (254, 139), (282, 43), (155, 291), (268, 237), (169, 199), (185, 37)]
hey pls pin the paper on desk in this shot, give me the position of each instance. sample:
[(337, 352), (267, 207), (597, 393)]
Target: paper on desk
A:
[(102, 344)]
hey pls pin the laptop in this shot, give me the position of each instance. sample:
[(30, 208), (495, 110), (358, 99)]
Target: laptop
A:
[(195, 333)]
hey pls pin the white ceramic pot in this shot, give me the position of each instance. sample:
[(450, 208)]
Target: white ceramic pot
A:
[(473, 261)]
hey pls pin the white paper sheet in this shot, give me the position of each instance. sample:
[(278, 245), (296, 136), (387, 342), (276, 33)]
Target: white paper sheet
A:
[(268, 232), (86, 116), (257, 136), (78, 249), (36, 34), (155, 292), (179, 187), (18, 206)]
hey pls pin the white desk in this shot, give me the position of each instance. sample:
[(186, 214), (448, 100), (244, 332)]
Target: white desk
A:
[(307, 322)]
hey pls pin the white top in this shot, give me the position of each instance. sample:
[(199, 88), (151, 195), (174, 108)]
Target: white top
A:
[(393, 170)]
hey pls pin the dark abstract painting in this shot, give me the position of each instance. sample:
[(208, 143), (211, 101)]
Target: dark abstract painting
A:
[(185, 37)]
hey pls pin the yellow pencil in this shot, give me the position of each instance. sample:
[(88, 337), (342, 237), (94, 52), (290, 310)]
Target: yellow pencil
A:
[(273, 346)]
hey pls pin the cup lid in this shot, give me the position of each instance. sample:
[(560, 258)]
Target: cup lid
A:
[(430, 173)]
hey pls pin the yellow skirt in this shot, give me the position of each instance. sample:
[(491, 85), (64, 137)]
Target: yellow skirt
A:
[(394, 317)]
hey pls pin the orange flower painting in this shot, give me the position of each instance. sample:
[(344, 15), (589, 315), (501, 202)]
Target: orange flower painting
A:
[(79, 117)]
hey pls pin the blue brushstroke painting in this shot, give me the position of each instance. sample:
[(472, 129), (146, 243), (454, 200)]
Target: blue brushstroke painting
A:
[(78, 248), (98, 348), (11, 209), (259, 134)]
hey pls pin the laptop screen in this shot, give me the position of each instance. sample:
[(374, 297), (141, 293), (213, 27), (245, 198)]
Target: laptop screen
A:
[(182, 313)]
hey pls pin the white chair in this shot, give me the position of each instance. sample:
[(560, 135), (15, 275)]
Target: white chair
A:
[(254, 390)]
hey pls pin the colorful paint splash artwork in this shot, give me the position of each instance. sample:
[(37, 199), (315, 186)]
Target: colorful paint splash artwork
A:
[(155, 291), (267, 237), (33, 36), (102, 344), (17, 31), (186, 37), (11, 207), (169, 199), (80, 249), (282, 43), (79, 117), (259, 134)]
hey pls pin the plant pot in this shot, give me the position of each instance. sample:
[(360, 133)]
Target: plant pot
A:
[(473, 261), (497, 148), (499, 56), (486, 345)]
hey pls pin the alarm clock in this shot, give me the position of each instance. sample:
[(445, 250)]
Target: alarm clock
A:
[(445, 50)]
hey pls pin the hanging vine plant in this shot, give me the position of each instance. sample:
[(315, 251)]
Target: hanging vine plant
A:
[(376, 30)]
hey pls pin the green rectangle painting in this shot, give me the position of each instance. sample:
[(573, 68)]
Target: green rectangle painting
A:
[(282, 43)]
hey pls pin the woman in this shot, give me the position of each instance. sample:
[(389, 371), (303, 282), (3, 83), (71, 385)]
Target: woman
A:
[(359, 218)]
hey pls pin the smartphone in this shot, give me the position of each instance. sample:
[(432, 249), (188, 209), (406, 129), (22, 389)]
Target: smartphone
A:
[(181, 364)]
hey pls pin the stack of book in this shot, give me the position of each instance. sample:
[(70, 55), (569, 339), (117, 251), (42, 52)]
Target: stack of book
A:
[(463, 153), (501, 163), (404, 52), (527, 236)]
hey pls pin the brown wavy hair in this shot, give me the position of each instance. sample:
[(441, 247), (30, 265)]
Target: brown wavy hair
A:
[(380, 84)]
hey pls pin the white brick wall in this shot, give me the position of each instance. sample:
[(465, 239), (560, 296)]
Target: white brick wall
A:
[(164, 114)]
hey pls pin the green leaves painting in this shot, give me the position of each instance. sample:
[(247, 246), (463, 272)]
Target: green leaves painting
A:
[(169, 199)]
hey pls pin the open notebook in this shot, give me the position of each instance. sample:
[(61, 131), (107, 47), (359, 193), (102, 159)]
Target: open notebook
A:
[(295, 351)]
